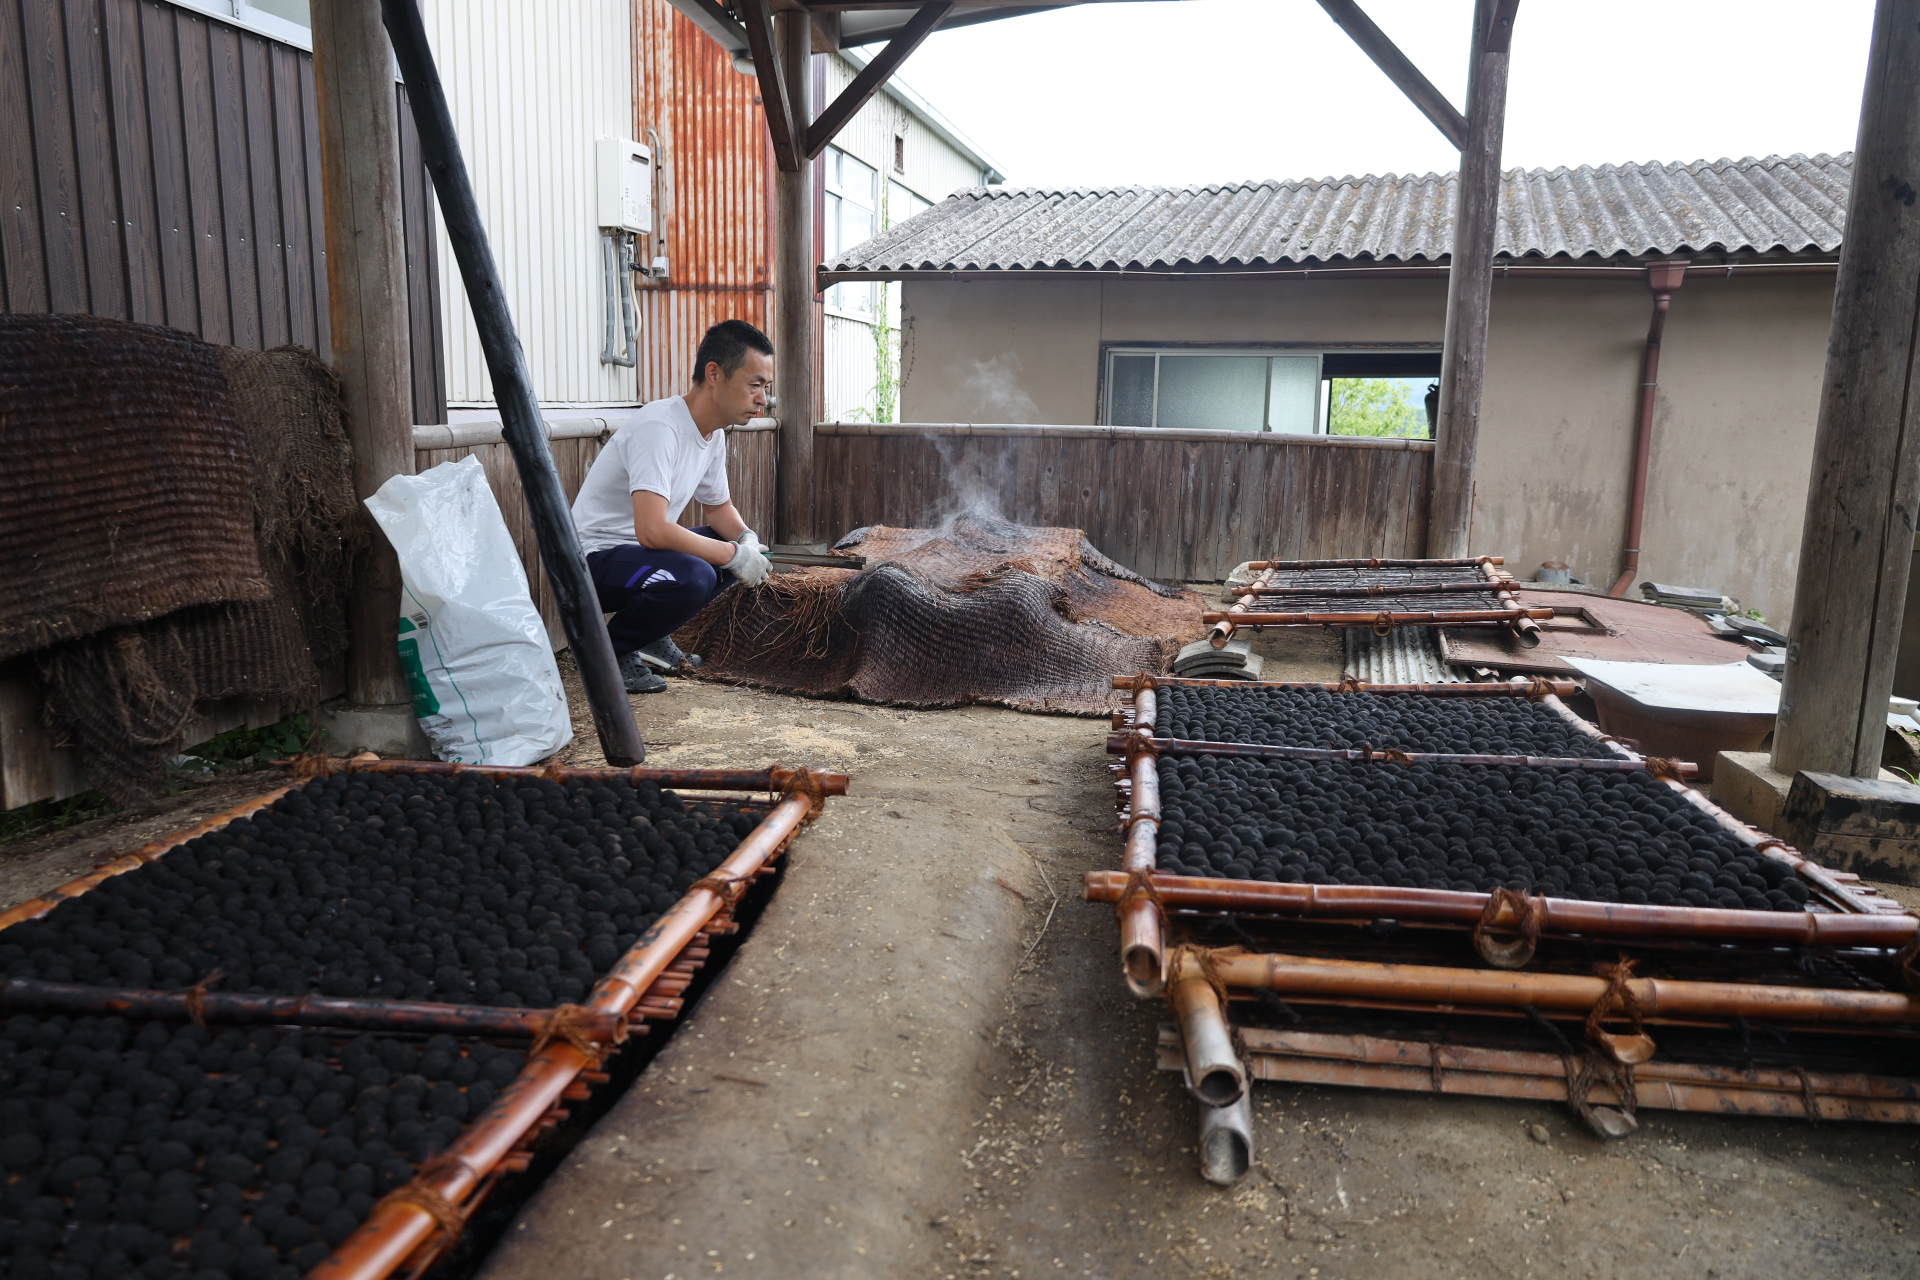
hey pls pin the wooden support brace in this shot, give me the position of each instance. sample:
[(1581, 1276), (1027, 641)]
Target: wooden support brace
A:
[(782, 127), (876, 73), (1400, 69)]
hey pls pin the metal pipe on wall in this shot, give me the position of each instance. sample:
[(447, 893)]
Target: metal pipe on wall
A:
[(1662, 278), (521, 425)]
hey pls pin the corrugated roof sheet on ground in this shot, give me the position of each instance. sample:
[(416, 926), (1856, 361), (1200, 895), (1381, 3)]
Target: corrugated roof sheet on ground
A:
[(1793, 204)]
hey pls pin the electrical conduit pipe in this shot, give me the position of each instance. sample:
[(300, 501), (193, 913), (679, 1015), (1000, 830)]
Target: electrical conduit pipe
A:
[(1662, 278)]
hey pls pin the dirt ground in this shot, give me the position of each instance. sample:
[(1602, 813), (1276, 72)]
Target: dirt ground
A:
[(922, 1062)]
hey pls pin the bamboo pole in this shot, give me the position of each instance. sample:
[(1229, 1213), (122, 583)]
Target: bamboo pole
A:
[(1142, 922), (1214, 1072), (1376, 564), (1363, 1061), (397, 1228), (1563, 917), (1537, 689), (1390, 618), (1119, 742), (1313, 978), (316, 1011), (1377, 589)]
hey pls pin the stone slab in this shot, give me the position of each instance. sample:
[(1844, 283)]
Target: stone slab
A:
[(388, 730)]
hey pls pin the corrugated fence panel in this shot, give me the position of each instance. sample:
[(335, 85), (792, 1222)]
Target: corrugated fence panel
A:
[(532, 87), (162, 167), (1185, 505), (712, 205)]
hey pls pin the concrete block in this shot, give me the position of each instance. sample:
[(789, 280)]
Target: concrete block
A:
[(1746, 785), (389, 731), (1869, 826)]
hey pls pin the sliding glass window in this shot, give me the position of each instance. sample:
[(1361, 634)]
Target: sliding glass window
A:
[(1213, 390)]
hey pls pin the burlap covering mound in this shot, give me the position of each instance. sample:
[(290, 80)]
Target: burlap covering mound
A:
[(979, 611), (124, 492), (126, 696)]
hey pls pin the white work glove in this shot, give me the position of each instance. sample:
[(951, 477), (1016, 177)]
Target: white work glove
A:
[(748, 538), (748, 565)]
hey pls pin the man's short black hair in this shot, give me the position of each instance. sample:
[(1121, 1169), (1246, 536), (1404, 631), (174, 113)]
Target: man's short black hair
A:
[(726, 345)]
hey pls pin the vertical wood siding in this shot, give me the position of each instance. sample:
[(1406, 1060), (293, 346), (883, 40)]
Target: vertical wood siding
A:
[(162, 167), (1185, 505)]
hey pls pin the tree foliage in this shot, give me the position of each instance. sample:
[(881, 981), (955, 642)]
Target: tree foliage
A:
[(1374, 407)]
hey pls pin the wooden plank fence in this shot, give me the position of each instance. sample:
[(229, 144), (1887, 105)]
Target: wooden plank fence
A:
[(1186, 505)]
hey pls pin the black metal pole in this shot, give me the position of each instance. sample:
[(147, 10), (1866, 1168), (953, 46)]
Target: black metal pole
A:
[(521, 425)]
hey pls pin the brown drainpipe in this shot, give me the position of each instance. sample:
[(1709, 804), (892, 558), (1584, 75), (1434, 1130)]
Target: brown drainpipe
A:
[(1662, 278)]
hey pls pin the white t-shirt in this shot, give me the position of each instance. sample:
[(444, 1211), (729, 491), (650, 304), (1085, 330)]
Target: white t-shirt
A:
[(662, 452)]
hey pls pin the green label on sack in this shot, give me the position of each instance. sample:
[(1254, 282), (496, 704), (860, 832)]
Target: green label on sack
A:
[(424, 703)]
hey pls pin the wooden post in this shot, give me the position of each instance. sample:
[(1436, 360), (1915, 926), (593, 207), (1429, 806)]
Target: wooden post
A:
[(1470, 285), (795, 358), (367, 310), (1857, 545)]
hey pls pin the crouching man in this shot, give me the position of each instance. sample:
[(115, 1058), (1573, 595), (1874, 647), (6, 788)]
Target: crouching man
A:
[(650, 573)]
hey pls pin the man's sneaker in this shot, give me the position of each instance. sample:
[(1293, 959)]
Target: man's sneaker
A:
[(664, 655), (635, 675)]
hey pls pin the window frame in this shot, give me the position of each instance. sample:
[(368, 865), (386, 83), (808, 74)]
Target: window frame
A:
[(833, 189), (1103, 394)]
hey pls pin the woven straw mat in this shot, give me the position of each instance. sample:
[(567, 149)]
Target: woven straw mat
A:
[(981, 610)]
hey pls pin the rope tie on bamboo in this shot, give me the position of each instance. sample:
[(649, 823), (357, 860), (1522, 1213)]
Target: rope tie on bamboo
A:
[(1382, 623), (1394, 755), (723, 884), (1636, 1046), (446, 1215), (1584, 1070), (1139, 885), (805, 782), (1906, 963), (1528, 915), (1538, 688), (1665, 767), (1350, 683), (566, 1023), (1809, 1097), (197, 998), (1203, 959)]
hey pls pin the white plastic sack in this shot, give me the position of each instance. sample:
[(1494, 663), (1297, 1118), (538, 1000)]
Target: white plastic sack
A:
[(485, 686)]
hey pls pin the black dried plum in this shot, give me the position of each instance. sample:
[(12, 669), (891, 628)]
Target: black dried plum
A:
[(260, 1190), (1407, 722), (385, 888), (1469, 828)]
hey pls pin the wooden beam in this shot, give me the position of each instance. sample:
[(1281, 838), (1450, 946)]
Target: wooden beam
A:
[(796, 362), (1469, 294), (367, 311), (1400, 69), (873, 75), (1500, 26), (1858, 539), (783, 122)]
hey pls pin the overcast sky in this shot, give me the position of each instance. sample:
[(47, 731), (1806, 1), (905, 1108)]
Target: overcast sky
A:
[(1222, 90)]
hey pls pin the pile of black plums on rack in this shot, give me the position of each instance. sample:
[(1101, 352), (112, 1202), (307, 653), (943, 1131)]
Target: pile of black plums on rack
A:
[(1409, 722), (404, 886), (133, 1149), (1565, 833)]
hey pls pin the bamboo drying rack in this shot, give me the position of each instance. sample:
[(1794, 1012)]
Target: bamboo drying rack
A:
[(1479, 576), (1152, 908), (644, 984)]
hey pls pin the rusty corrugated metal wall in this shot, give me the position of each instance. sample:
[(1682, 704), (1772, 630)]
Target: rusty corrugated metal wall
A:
[(713, 203)]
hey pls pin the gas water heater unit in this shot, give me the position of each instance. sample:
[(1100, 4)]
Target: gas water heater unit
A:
[(625, 170)]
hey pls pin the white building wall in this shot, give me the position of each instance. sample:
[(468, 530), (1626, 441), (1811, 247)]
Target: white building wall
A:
[(531, 86), (934, 169)]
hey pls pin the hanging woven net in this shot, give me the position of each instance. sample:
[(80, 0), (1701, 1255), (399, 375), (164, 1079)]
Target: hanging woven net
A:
[(980, 610)]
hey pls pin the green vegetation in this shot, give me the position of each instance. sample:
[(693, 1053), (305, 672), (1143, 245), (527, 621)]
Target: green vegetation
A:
[(1374, 407), (31, 821), (240, 749), (886, 362)]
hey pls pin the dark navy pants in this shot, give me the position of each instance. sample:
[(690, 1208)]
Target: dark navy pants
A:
[(650, 593)]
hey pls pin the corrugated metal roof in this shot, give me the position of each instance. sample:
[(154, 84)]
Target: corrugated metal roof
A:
[(1792, 204)]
